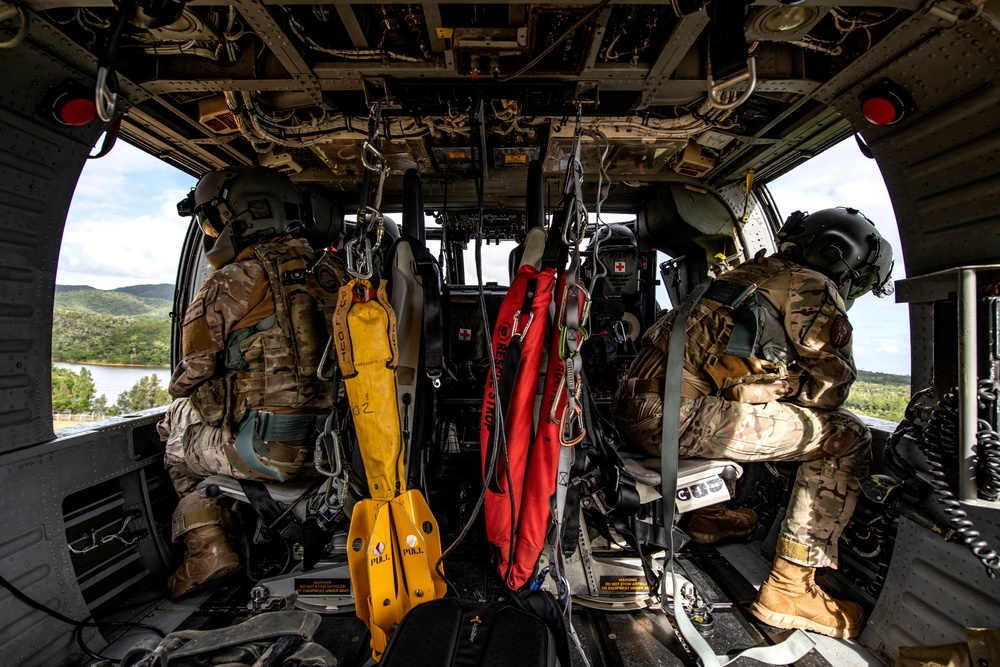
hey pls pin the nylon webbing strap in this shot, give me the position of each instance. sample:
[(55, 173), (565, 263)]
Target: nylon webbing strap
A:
[(798, 643), (285, 428), (670, 436), (258, 497)]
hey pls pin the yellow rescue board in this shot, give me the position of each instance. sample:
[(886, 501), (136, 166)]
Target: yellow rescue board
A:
[(365, 335), (393, 548)]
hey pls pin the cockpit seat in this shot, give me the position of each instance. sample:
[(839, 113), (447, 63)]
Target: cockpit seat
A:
[(298, 511)]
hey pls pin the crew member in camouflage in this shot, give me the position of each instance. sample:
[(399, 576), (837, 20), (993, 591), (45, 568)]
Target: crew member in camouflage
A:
[(252, 339), (782, 402)]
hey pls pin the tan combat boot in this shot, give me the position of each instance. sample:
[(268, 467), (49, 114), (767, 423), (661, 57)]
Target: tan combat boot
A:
[(791, 599), (718, 522), (208, 557)]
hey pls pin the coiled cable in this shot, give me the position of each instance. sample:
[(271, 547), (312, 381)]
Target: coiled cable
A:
[(988, 445), (939, 445)]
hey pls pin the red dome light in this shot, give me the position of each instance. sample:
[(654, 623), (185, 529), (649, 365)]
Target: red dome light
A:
[(78, 111), (880, 111)]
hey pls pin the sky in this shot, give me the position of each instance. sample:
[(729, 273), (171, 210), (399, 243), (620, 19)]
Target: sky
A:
[(123, 229), (842, 176)]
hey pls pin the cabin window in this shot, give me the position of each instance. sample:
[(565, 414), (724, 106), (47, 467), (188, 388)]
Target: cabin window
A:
[(114, 288), (841, 176)]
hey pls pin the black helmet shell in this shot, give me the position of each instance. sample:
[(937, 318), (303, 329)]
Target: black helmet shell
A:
[(842, 244)]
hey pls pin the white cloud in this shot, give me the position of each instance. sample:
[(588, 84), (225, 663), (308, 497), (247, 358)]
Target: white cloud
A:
[(122, 227)]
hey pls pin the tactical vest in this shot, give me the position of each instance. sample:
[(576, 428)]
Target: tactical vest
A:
[(733, 333), (273, 362)]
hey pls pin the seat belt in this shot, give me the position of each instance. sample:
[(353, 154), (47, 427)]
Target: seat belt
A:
[(798, 643)]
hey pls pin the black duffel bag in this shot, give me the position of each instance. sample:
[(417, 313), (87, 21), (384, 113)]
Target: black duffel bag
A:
[(453, 632)]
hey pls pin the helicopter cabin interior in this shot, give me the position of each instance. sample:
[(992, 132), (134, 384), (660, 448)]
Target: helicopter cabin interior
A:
[(491, 118)]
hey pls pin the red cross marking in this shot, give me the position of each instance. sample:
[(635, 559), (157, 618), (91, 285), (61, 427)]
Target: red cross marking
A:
[(465, 334), (619, 267)]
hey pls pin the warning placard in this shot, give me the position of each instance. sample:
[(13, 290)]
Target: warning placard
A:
[(323, 586), (624, 585)]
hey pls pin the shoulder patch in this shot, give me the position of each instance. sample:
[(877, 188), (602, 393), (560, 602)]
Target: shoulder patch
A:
[(840, 331), (194, 311)]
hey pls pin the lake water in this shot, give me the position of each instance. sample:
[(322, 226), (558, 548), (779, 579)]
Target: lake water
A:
[(113, 380)]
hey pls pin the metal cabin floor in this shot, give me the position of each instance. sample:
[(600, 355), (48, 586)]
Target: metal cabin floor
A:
[(727, 576)]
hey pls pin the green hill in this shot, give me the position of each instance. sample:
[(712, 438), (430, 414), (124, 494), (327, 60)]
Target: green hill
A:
[(881, 395), (161, 291), (107, 339), (883, 378), (152, 301)]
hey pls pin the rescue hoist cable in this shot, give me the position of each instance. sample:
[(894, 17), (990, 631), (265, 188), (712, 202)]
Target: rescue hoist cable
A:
[(500, 424), (602, 231), (369, 217), (106, 86)]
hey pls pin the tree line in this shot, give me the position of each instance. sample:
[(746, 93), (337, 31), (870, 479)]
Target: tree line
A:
[(75, 392)]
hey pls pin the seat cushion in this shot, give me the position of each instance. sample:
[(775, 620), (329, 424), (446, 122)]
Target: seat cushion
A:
[(647, 470), (284, 493)]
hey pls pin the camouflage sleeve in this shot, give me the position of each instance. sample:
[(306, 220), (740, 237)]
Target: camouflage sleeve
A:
[(817, 324), (222, 301)]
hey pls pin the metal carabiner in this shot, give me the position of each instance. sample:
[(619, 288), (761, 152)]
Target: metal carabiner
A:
[(714, 87), (588, 301), (371, 156), (572, 417), (322, 362), (520, 334), (329, 440), (377, 223), (559, 390), (564, 338), (359, 266), (105, 95)]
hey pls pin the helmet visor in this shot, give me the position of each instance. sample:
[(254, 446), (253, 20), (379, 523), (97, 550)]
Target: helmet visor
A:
[(210, 220)]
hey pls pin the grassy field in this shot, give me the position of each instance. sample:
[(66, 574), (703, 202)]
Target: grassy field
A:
[(880, 395)]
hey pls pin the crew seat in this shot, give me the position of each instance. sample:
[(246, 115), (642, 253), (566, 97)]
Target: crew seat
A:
[(306, 511), (601, 572), (700, 482)]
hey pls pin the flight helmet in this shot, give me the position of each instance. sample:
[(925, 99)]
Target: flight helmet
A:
[(618, 253), (237, 207), (842, 244)]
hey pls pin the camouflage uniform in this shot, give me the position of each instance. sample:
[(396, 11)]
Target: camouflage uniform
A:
[(748, 409), (252, 339)]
